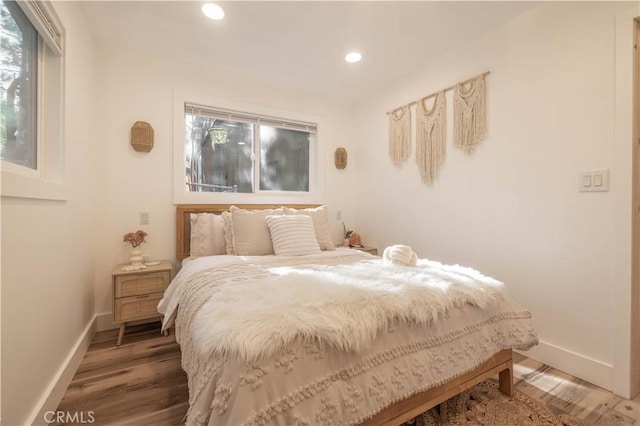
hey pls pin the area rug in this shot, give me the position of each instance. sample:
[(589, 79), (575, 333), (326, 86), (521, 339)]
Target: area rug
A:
[(485, 405)]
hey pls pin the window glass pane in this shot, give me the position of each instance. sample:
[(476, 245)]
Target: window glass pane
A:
[(284, 159), (218, 155), (18, 86)]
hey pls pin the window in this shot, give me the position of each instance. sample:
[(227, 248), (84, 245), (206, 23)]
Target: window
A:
[(230, 151), (31, 100), (18, 87)]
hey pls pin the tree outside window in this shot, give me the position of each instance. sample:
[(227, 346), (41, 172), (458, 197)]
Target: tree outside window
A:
[(18, 86)]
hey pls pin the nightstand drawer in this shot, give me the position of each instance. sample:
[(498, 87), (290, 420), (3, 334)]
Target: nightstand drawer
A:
[(139, 284), (136, 307)]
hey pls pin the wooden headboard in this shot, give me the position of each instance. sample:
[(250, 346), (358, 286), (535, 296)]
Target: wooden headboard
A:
[(183, 220)]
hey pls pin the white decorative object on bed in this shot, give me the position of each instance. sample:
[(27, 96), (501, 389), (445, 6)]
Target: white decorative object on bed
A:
[(250, 231), (228, 233), (207, 235), (292, 235), (320, 217), (400, 255), (336, 337)]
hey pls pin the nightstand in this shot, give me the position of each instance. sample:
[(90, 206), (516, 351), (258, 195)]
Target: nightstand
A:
[(370, 250), (136, 294)]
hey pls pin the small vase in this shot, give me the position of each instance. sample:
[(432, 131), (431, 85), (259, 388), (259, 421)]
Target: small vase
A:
[(136, 256)]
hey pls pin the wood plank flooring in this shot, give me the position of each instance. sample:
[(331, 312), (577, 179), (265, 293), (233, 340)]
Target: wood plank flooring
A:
[(142, 383), (138, 383), (563, 393)]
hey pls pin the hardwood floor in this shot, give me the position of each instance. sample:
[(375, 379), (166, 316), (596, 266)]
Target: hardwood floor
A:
[(142, 383), (563, 393), (138, 383)]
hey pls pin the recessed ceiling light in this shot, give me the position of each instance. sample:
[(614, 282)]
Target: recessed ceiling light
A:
[(213, 11), (353, 57)]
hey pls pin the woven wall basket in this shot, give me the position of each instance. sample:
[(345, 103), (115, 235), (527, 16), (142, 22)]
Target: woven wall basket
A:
[(142, 136), (340, 158)]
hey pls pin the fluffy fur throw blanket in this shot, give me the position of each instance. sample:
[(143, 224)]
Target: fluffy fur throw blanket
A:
[(256, 310)]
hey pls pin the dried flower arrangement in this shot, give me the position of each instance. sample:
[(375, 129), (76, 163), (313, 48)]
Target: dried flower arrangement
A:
[(135, 238)]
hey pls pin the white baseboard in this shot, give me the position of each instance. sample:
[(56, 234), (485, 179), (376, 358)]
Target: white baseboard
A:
[(60, 382), (583, 367)]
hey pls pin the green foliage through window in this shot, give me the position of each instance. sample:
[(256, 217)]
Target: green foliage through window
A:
[(18, 86), (240, 154)]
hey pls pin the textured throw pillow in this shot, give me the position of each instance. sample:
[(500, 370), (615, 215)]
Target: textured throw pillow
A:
[(320, 218), (250, 231), (293, 235), (228, 233), (207, 235)]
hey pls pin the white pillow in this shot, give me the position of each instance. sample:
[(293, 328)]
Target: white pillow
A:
[(320, 218), (250, 231), (292, 235), (207, 235), (228, 233)]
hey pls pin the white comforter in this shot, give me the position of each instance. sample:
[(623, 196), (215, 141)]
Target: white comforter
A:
[(245, 325)]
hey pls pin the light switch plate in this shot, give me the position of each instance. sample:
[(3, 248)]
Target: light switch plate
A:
[(144, 218), (595, 181)]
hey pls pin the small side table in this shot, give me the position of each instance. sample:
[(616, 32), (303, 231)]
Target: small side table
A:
[(370, 250), (136, 294)]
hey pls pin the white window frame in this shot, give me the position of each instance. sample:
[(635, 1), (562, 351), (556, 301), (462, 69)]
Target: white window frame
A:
[(47, 181), (182, 196)]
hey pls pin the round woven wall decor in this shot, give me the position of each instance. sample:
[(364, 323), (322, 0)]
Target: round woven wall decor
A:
[(340, 158), (142, 136)]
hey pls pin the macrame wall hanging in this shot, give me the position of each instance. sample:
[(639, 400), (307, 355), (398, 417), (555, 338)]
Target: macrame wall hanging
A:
[(469, 114), (469, 126), (400, 135), (431, 136)]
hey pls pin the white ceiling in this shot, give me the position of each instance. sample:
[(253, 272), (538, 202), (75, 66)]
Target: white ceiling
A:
[(300, 45)]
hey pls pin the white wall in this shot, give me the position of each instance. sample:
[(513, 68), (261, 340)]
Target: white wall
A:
[(136, 87), (47, 254), (551, 102), (512, 209)]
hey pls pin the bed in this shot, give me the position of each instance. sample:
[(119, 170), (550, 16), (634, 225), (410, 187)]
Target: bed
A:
[(247, 365)]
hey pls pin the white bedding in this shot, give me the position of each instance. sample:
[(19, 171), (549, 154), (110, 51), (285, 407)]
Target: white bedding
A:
[(309, 381), (193, 265)]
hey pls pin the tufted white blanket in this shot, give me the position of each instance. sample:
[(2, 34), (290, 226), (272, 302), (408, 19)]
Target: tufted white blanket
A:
[(306, 382), (253, 311)]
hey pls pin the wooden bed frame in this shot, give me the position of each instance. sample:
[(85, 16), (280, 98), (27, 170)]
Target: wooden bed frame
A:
[(396, 414)]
